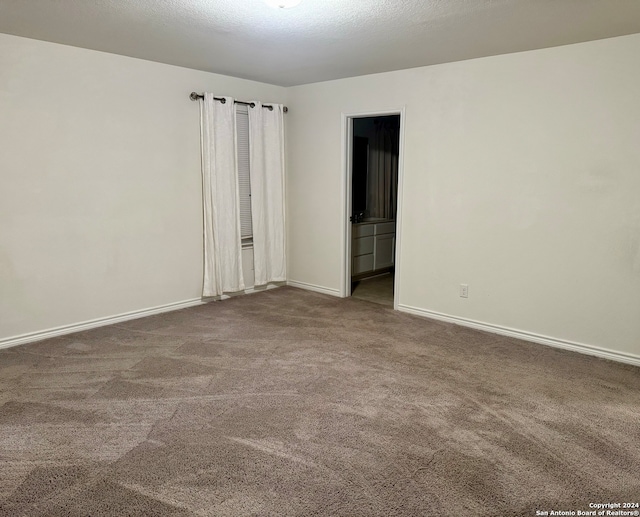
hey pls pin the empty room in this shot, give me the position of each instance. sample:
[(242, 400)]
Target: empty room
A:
[(319, 257)]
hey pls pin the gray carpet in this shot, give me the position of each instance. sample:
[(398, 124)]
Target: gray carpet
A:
[(289, 402)]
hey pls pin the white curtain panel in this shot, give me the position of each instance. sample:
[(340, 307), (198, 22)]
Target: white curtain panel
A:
[(266, 163), (221, 200)]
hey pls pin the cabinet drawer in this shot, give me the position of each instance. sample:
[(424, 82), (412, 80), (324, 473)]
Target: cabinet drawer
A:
[(362, 246), (361, 230), (385, 228), (362, 264)]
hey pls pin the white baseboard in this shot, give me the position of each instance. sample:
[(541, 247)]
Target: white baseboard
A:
[(110, 320), (98, 322), (316, 288), (496, 329), (613, 355), (248, 290)]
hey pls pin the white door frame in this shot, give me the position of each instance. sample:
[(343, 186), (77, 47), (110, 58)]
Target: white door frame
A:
[(347, 139)]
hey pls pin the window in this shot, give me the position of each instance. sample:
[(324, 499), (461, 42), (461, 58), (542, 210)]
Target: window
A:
[(244, 183)]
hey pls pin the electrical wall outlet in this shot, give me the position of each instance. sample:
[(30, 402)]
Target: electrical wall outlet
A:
[(464, 291)]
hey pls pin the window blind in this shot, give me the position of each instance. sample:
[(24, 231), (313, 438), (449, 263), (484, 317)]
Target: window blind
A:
[(244, 184)]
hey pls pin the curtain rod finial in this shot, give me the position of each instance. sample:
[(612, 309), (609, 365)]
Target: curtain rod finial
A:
[(194, 96)]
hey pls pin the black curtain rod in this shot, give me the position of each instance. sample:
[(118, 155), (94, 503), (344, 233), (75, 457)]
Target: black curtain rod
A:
[(195, 96)]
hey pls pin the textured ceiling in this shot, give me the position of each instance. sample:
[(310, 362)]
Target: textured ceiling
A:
[(320, 39)]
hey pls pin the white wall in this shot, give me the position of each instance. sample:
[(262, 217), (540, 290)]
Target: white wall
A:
[(521, 179), (522, 175), (100, 186)]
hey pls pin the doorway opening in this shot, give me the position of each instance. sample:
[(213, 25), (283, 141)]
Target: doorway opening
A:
[(373, 174)]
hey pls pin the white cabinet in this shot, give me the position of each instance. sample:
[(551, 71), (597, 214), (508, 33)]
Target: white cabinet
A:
[(362, 264), (362, 248), (385, 228), (362, 230), (372, 247), (383, 251)]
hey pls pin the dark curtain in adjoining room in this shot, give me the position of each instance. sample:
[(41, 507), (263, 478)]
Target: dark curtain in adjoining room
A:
[(383, 174)]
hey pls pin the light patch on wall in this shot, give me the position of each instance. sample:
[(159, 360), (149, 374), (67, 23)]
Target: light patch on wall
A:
[(600, 178), (282, 4), (525, 212)]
